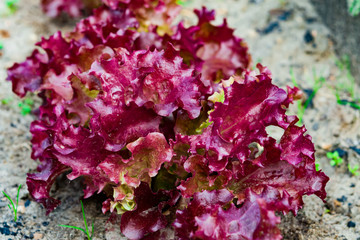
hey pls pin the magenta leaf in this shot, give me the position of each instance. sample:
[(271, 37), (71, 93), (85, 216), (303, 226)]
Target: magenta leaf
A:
[(39, 184), (211, 215), (27, 76), (148, 216)]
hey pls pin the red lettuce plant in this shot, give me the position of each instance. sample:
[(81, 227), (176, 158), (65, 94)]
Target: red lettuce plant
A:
[(169, 125)]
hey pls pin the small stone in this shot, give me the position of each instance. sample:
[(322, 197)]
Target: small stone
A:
[(38, 236), (222, 11), (351, 224), (308, 37), (342, 199), (315, 127), (27, 203), (270, 28), (4, 33), (326, 146), (45, 224), (21, 208), (252, 33), (341, 152), (337, 203), (33, 37), (5, 231)]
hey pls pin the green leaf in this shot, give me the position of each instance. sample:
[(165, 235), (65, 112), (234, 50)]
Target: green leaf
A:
[(11, 5), (181, 2), (25, 109), (336, 160), (5, 101), (29, 101), (163, 180), (354, 170)]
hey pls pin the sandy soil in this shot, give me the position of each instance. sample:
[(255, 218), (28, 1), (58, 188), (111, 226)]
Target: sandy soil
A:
[(277, 33)]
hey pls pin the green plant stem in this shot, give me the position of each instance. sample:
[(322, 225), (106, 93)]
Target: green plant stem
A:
[(14, 207), (86, 230), (86, 226), (302, 107)]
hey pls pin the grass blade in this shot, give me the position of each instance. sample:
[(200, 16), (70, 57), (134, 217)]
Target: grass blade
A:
[(17, 202), (86, 226), (12, 204), (73, 227), (92, 230)]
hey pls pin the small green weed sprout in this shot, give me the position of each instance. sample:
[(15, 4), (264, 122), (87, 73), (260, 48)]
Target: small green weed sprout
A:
[(346, 84), (344, 102), (354, 170), (5, 101), (317, 166), (11, 5), (26, 106), (354, 7), (14, 207), (335, 159), (1, 46), (86, 230), (183, 3), (318, 82)]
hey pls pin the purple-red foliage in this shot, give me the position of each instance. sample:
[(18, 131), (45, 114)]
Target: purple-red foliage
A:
[(169, 122)]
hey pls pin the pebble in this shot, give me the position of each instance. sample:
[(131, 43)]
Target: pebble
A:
[(45, 223), (252, 33), (308, 37), (316, 126), (5, 231), (326, 146), (21, 208), (341, 152), (4, 33), (38, 236), (270, 27), (342, 199), (351, 224), (355, 149), (310, 19), (285, 16), (27, 203), (337, 203)]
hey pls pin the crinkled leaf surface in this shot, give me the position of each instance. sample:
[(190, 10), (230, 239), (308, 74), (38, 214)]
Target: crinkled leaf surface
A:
[(134, 106)]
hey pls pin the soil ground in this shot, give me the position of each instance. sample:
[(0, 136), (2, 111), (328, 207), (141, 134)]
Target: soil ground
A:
[(283, 35)]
